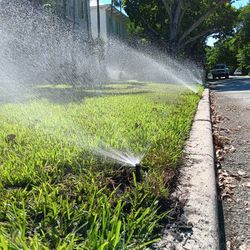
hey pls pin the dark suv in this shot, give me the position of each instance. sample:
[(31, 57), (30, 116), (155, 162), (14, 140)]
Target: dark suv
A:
[(220, 70)]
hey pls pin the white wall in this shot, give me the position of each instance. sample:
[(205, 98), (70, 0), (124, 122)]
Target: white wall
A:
[(103, 27), (81, 13), (117, 19)]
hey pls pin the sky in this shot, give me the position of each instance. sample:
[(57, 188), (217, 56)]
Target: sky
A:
[(93, 2), (240, 3)]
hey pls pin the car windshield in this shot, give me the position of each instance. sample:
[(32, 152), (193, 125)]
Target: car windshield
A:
[(220, 66)]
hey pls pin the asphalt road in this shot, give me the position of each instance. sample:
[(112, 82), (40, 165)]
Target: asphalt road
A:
[(232, 103)]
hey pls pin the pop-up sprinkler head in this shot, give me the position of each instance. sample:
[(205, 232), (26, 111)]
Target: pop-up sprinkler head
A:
[(138, 176)]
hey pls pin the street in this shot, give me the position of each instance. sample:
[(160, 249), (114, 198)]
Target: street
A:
[(232, 108)]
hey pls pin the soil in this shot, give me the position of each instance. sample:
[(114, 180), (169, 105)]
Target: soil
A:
[(231, 125), (178, 229)]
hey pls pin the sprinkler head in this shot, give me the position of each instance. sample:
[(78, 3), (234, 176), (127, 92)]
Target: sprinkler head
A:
[(138, 175)]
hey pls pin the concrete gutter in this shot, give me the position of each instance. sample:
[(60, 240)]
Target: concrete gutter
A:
[(197, 186)]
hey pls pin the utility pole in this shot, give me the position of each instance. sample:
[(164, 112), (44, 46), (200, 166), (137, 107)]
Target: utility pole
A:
[(74, 14), (111, 18), (98, 19), (64, 9)]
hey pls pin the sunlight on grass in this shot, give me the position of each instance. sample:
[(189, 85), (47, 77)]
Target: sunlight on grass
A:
[(57, 193)]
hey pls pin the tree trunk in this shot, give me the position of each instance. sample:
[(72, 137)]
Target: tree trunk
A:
[(175, 14), (177, 11)]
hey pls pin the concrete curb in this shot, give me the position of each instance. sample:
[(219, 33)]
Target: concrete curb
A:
[(202, 208), (197, 186)]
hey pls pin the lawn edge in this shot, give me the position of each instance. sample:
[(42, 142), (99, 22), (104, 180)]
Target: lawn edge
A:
[(197, 186), (202, 203)]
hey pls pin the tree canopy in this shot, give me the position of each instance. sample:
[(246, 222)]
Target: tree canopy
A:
[(180, 25), (242, 39), (234, 50), (222, 52)]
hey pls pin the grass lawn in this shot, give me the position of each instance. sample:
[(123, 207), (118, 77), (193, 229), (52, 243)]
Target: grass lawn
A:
[(58, 192)]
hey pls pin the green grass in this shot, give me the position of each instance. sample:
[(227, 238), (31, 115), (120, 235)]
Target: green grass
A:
[(56, 193)]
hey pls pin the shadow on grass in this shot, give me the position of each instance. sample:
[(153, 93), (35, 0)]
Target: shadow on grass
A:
[(64, 96), (69, 94)]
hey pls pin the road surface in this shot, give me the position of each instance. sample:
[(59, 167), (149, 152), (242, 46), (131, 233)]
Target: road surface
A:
[(232, 103)]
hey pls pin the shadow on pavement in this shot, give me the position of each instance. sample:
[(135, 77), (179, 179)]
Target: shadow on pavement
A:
[(233, 84)]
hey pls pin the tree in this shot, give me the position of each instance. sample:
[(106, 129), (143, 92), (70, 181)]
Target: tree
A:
[(233, 50), (222, 52), (242, 40), (180, 24)]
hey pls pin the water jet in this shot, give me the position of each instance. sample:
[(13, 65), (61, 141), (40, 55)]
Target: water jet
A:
[(37, 48)]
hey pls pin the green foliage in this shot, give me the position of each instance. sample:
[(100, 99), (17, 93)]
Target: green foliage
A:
[(57, 193), (180, 25), (243, 57), (244, 26), (222, 52), (233, 50), (243, 38)]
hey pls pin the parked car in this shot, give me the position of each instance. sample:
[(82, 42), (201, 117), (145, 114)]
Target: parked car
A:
[(238, 72), (220, 70)]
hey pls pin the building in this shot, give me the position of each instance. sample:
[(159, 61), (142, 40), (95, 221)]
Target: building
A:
[(113, 22), (83, 15), (77, 12)]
